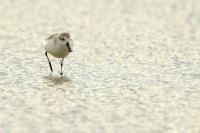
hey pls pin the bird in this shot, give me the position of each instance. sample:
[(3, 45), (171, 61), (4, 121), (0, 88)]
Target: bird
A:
[(58, 45)]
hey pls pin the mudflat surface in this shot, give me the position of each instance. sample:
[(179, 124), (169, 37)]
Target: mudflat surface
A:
[(135, 67)]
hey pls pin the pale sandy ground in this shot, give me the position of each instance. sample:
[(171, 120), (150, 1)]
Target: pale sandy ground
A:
[(135, 67)]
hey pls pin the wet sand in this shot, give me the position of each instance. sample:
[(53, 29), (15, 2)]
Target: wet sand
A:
[(135, 67)]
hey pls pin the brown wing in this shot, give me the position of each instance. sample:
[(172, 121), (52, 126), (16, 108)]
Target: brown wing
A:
[(52, 36)]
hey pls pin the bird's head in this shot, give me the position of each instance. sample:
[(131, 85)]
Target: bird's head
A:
[(65, 39)]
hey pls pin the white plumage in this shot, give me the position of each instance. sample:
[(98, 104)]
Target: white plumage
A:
[(59, 45)]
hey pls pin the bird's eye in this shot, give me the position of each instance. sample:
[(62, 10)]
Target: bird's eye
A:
[(63, 39)]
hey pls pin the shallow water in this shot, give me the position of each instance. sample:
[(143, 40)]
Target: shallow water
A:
[(135, 67)]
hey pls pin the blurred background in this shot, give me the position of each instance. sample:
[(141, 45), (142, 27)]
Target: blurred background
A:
[(135, 67)]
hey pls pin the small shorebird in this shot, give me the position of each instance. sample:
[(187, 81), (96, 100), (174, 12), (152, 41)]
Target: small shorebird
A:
[(59, 45)]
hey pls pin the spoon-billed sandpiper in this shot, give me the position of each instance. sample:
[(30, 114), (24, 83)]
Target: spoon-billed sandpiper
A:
[(59, 45)]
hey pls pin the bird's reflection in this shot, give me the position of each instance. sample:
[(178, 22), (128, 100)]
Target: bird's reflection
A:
[(57, 79)]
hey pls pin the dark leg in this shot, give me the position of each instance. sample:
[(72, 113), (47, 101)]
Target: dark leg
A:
[(61, 63), (49, 62)]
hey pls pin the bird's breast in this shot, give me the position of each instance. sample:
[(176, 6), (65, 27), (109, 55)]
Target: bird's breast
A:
[(57, 50)]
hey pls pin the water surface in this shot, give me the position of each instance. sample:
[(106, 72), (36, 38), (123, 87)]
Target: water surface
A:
[(135, 67)]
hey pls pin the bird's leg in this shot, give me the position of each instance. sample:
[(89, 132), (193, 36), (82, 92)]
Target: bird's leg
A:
[(49, 62), (61, 64)]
